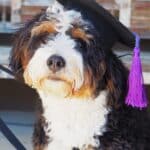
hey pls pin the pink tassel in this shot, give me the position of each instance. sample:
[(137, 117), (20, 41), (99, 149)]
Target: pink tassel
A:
[(136, 96)]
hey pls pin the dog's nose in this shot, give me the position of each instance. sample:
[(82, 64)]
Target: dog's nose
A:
[(55, 63)]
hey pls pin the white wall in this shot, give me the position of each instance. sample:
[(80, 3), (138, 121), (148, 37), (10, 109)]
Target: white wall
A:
[(6, 2), (125, 11)]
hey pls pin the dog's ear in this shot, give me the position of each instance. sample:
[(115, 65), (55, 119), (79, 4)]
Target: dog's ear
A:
[(116, 79), (20, 44), (18, 53)]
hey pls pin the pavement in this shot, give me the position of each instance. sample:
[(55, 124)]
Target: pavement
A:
[(21, 124)]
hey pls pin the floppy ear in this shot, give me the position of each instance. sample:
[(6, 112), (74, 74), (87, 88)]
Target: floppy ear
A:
[(18, 51), (116, 79), (21, 39)]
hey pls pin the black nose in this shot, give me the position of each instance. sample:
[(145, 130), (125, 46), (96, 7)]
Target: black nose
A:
[(55, 63)]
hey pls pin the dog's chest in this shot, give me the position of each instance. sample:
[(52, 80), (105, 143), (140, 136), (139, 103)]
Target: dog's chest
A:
[(74, 123)]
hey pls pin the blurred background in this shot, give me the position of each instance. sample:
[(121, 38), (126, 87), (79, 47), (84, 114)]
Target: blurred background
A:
[(17, 101)]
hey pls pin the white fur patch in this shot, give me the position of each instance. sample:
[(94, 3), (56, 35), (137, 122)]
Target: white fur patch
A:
[(64, 18), (73, 123)]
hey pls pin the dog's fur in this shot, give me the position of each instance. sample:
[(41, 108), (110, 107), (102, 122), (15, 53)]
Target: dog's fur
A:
[(82, 105)]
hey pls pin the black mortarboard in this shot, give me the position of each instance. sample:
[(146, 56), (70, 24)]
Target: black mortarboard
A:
[(110, 29)]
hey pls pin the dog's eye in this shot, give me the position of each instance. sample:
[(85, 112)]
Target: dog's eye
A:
[(36, 41), (81, 45)]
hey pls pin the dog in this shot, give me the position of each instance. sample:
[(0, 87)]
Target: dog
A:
[(65, 53)]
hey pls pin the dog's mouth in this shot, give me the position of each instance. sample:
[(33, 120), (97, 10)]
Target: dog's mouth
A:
[(56, 78), (60, 79), (63, 80)]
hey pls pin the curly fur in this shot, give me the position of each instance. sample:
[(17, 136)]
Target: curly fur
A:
[(127, 128)]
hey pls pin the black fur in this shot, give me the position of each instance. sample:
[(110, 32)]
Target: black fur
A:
[(127, 128), (40, 139)]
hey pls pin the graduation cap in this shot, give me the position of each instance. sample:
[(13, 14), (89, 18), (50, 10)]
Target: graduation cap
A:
[(109, 28), (111, 32)]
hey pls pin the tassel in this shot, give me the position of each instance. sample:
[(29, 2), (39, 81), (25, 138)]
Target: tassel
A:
[(136, 96)]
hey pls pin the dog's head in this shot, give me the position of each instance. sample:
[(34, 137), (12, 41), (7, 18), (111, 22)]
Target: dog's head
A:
[(66, 52)]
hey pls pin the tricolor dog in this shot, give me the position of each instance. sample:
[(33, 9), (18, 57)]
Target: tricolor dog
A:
[(65, 54)]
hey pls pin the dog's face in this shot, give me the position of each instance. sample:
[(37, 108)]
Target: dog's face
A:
[(57, 56), (60, 66), (60, 52)]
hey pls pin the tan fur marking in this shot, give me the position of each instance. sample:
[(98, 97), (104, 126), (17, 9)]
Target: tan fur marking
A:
[(45, 26), (110, 86), (27, 78), (83, 93), (40, 147), (90, 148), (79, 33), (87, 88), (25, 58)]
